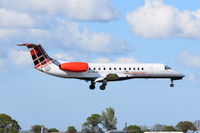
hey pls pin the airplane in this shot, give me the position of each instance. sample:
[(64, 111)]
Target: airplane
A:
[(99, 72)]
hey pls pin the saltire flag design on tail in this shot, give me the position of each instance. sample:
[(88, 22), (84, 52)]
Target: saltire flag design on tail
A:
[(38, 54)]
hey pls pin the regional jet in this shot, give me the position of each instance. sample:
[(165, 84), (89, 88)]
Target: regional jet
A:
[(99, 72)]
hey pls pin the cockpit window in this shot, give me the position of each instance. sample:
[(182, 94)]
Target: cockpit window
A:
[(167, 67)]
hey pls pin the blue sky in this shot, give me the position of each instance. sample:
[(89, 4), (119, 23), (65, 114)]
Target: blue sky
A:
[(150, 31)]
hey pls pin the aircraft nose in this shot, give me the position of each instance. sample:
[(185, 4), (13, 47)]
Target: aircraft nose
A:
[(181, 75)]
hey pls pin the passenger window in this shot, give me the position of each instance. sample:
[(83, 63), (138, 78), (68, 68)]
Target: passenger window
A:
[(124, 68), (89, 68), (115, 68), (120, 68), (99, 68), (134, 68), (94, 68), (104, 68), (110, 68), (142, 68), (129, 68), (138, 68)]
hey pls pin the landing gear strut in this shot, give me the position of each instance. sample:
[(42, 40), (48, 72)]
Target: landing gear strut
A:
[(172, 84), (103, 86), (92, 85)]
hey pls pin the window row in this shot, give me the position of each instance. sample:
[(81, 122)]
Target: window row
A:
[(110, 68)]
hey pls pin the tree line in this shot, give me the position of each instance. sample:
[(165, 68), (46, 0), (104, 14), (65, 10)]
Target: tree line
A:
[(98, 123)]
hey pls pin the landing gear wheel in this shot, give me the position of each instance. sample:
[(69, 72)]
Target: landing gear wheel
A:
[(92, 87), (171, 85), (102, 87)]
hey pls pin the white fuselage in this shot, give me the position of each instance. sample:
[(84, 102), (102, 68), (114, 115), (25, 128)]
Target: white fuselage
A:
[(123, 71)]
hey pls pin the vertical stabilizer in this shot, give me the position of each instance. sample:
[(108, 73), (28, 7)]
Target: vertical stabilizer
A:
[(40, 58)]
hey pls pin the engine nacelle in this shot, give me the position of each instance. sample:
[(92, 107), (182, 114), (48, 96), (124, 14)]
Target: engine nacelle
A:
[(74, 66)]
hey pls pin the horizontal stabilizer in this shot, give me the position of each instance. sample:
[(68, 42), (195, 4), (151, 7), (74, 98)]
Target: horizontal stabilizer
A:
[(23, 44)]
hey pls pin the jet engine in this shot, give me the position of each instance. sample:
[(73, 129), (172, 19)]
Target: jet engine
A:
[(74, 66)]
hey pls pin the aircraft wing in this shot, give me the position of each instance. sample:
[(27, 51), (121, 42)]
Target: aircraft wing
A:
[(108, 77)]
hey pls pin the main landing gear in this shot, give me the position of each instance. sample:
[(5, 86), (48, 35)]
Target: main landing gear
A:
[(102, 86), (92, 85), (172, 84)]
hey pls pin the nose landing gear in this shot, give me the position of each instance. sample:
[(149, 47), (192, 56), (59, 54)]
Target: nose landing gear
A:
[(172, 84)]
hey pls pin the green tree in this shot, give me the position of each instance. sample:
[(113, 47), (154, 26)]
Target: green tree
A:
[(92, 124), (109, 121), (169, 128), (52, 130), (37, 128), (71, 129), (9, 125), (185, 126), (134, 129)]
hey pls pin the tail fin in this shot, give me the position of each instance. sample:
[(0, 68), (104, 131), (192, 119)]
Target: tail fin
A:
[(39, 56)]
